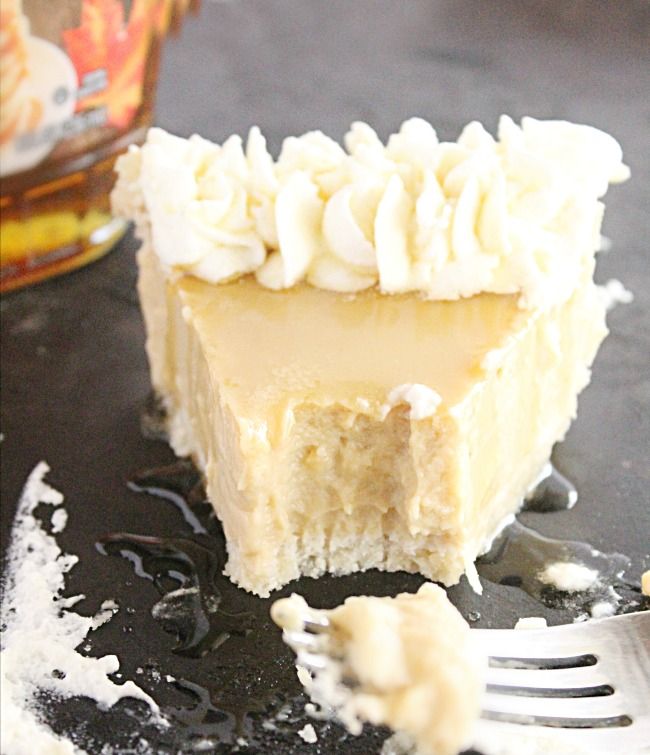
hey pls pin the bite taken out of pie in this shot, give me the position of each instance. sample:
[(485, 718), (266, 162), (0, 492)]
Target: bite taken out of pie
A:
[(369, 352)]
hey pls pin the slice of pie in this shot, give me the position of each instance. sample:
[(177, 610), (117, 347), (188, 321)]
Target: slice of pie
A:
[(369, 353)]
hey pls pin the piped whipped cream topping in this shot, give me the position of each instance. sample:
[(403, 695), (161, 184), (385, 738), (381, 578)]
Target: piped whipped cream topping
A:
[(516, 214)]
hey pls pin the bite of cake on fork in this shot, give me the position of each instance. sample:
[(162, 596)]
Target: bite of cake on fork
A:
[(412, 663)]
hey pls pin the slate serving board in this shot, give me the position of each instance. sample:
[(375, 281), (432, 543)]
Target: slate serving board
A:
[(75, 376)]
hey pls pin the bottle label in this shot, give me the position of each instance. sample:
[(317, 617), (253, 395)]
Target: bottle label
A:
[(68, 69)]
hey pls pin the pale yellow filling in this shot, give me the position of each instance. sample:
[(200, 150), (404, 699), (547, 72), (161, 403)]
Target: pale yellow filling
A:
[(306, 344)]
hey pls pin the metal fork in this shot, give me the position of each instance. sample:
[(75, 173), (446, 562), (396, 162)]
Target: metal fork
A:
[(579, 685)]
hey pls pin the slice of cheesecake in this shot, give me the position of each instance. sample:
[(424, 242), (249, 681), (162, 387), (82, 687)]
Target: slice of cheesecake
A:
[(410, 663), (374, 425), (282, 398)]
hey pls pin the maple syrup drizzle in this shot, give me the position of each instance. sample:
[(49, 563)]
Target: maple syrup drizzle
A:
[(184, 572), (180, 484), (222, 719), (191, 607)]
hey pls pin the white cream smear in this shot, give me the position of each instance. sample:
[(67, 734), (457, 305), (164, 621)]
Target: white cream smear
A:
[(423, 400), (40, 634), (569, 576)]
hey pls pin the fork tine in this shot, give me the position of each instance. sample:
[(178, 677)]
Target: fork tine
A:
[(565, 640), (532, 675), (316, 622), (313, 661), (548, 679), (567, 708), (630, 739), (303, 640), (552, 642)]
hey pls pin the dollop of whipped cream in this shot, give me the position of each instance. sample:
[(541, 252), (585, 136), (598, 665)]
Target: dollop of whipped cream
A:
[(517, 214), (424, 401)]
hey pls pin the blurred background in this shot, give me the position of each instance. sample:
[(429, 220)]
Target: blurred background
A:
[(294, 65)]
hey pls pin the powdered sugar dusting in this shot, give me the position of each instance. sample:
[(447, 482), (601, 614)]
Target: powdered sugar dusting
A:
[(39, 634), (308, 734), (107, 610), (59, 520)]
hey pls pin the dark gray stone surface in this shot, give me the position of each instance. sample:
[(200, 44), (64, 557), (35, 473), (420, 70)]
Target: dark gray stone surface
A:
[(74, 371)]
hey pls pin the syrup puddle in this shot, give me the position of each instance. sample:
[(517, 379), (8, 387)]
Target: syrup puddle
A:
[(520, 555), (184, 571), (180, 484), (211, 717)]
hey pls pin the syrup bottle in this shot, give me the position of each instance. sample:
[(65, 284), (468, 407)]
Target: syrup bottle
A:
[(77, 86)]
